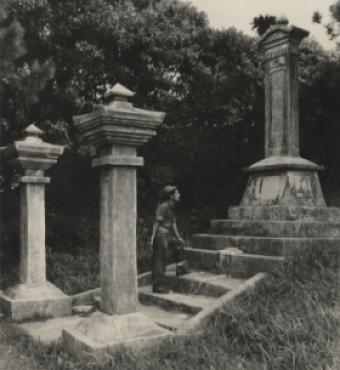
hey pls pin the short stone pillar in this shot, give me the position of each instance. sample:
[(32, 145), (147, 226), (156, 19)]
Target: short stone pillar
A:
[(116, 129), (34, 296), (283, 178)]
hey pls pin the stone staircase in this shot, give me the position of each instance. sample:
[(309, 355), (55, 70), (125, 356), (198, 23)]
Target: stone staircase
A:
[(192, 299), (189, 295), (223, 263), (255, 239)]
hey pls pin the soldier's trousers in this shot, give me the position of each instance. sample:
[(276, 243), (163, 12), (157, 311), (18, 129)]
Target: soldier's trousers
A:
[(166, 249)]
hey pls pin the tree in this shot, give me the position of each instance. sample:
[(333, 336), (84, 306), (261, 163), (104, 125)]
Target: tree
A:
[(261, 23), (332, 27), (206, 80), (20, 81)]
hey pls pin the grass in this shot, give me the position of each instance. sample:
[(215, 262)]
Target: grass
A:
[(290, 323)]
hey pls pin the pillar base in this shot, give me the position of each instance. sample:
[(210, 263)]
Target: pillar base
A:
[(101, 334), (284, 181), (35, 301)]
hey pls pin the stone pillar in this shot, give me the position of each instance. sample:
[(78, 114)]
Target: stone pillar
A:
[(281, 52), (283, 178), (33, 297), (116, 129), (118, 216), (32, 227)]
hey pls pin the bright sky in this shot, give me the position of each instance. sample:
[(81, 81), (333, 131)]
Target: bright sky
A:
[(240, 13)]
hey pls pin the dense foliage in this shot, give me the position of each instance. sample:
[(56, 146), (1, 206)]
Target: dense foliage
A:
[(205, 80)]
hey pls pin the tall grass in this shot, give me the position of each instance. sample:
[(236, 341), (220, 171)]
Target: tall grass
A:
[(289, 323)]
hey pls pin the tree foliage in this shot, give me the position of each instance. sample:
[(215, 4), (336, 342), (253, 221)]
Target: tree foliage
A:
[(262, 22), (333, 27), (207, 81), (20, 79)]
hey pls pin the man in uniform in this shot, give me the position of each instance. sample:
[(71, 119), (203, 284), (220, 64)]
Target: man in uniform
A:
[(163, 227)]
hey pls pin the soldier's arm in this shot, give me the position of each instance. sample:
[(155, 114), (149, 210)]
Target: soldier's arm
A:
[(154, 231), (177, 235)]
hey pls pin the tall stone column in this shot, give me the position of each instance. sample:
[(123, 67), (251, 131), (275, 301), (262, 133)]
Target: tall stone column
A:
[(34, 296), (116, 129), (283, 178), (118, 216)]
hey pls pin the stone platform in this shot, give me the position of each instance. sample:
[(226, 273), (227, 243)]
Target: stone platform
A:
[(33, 301), (244, 247), (193, 298), (101, 333)]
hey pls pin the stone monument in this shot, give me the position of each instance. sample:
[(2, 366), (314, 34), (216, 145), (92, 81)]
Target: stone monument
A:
[(34, 296), (283, 207), (116, 129), (283, 177)]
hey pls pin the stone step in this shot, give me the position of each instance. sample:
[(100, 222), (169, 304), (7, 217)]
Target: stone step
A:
[(49, 331), (172, 320), (270, 246), (186, 303), (201, 283), (232, 262), (309, 229), (284, 213)]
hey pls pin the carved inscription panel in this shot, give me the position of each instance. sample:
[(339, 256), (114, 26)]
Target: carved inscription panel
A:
[(277, 128)]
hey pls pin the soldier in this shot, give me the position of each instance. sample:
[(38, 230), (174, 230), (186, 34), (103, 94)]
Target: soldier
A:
[(163, 227)]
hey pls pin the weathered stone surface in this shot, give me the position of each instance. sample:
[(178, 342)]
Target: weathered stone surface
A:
[(268, 246), (118, 238), (280, 46), (284, 188), (118, 122), (82, 309), (203, 259), (34, 296), (201, 283), (284, 213), (116, 128), (33, 301), (32, 233), (308, 229), (49, 331), (32, 153), (247, 265), (101, 334), (221, 304), (187, 303), (232, 262), (283, 178), (276, 228)]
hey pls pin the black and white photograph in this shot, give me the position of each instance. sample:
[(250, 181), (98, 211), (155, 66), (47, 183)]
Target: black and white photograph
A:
[(169, 185)]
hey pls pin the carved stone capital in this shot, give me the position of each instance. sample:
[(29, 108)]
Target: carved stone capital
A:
[(32, 153), (118, 122)]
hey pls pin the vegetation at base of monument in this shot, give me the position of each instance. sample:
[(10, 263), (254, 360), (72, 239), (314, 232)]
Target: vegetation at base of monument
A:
[(290, 322)]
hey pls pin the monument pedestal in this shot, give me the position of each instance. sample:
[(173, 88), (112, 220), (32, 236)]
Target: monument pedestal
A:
[(39, 300), (102, 333), (283, 181)]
